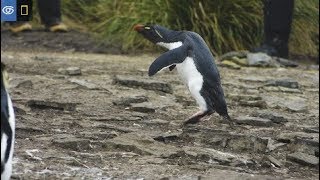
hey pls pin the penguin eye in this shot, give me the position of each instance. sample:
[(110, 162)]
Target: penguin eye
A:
[(159, 34), (147, 27)]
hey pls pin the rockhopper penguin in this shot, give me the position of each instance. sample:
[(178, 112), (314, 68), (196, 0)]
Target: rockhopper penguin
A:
[(7, 128), (195, 64)]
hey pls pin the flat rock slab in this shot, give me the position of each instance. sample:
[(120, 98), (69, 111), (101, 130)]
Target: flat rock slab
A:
[(143, 107), (71, 71), (43, 104), (304, 159), (253, 121), (273, 116), (140, 82), (126, 101), (71, 142), (140, 144), (85, 84), (288, 137), (289, 103), (288, 83), (270, 160)]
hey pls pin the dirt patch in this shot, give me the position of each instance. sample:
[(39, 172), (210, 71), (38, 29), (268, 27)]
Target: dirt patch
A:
[(122, 131), (71, 41)]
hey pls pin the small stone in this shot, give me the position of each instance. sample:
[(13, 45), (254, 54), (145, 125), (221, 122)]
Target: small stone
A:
[(71, 142), (290, 103), (21, 83), (143, 107), (258, 103), (73, 71), (156, 122), (304, 159), (241, 97), (290, 90), (259, 59), (311, 129), (140, 82), (254, 79), (273, 161), (288, 137), (230, 64), (286, 62), (168, 136), (42, 104), (126, 101), (273, 116), (85, 84), (232, 54), (273, 146), (288, 83), (253, 121)]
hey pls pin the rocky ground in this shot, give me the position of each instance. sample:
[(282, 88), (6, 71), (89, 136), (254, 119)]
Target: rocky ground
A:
[(98, 116)]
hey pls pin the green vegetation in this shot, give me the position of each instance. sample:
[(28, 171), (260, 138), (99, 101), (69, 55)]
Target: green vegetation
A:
[(225, 24)]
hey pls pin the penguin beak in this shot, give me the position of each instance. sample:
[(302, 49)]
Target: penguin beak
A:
[(138, 27)]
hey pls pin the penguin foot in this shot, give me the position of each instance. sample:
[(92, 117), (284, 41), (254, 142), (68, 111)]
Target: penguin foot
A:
[(195, 118)]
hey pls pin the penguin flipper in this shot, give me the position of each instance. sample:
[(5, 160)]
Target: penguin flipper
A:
[(169, 58)]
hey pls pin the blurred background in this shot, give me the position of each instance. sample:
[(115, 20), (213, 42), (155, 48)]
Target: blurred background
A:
[(225, 25)]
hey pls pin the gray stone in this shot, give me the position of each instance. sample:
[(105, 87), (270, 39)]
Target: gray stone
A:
[(140, 144), (71, 142), (43, 104), (256, 103), (207, 154), (143, 107), (156, 122), (254, 79), (114, 127), (253, 121), (241, 97), (312, 129), (232, 54), (126, 101), (20, 83), (304, 159), (85, 84), (116, 118), (73, 71), (246, 143), (140, 82), (99, 135), (273, 161), (290, 103), (259, 59), (273, 116), (273, 145), (288, 83), (286, 62), (281, 89), (168, 136), (288, 137)]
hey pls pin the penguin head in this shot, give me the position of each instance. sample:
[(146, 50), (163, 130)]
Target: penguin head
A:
[(156, 33)]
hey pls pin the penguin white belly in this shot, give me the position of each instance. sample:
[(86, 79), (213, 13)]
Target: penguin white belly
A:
[(6, 174), (193, 79)]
